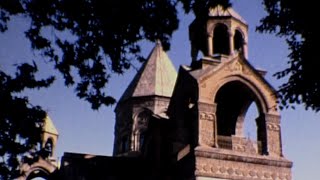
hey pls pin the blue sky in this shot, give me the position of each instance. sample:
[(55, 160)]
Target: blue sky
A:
[(86, 131)]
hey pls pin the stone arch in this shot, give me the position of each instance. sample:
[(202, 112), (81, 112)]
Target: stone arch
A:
[(37, 172), (264, 103), (233, 98), (221, 42), (140, 125)]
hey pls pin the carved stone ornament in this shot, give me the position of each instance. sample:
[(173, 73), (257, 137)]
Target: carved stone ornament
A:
[(234, 67), (240, 172), (207, 116), (273, 126)]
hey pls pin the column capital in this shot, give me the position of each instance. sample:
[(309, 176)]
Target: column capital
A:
[(272, 118), (207, 107), (231, 33)]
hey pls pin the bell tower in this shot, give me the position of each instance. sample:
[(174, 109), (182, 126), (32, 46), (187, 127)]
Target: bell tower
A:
[(210, 102), (147, 97), (223, 32)]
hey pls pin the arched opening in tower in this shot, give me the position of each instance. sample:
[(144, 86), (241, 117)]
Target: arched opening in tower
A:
[(141, 121), (238, 41), (235, 103), (38, 178), (48, 148), (221, 43)]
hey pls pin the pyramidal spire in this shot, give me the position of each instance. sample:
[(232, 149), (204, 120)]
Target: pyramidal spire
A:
[(49, 126), (219, 11), (156, 77)]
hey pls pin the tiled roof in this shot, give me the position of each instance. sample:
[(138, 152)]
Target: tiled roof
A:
[(49, 126), (157, 76), (220, 11)]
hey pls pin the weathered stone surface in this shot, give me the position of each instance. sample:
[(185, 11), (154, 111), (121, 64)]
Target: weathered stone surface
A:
[(156, 77), (215, 163)]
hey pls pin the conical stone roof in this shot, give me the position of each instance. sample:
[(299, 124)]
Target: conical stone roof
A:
[(219, 11), (49, 126), (156, 77)]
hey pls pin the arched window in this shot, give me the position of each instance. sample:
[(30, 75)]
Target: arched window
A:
[(141, 121), (221, 43), (48, 147), (238, 41)]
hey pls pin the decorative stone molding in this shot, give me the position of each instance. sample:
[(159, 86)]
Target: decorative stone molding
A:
[(244, 145), (271, 118), (244, 168), (207, 116), (46, 165), (207, 124), (247, 72), (161, 103), (149, 103), (240, 172), (227, 155), (206, 107), (273, 134), (206, 130), (273, 127), (237, 67)]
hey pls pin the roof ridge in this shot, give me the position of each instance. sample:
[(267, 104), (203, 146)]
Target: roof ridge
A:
[(49, 126), (220, 11), (155, 77)]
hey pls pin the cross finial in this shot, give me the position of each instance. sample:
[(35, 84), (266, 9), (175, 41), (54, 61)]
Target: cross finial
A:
[(158, 41)]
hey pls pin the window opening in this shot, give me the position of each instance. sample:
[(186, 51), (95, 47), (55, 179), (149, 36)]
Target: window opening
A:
[(238, 41), (221, 40)]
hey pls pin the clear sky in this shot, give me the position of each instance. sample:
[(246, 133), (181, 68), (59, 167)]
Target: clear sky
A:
[(85, 131)]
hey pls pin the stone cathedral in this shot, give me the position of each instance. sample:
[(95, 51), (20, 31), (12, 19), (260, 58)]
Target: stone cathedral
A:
[(190, 125)]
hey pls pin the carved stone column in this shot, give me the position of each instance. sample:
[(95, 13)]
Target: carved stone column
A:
[(239, 126), (245, 49), (262, 135), (210, 44), (207, 125), (274, 134), (231, 43)]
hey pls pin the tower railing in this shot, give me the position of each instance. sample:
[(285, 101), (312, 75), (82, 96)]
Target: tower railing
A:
[(240, 144)]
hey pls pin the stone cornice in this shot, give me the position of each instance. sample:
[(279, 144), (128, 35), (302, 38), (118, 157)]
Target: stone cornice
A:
[(221, 154)]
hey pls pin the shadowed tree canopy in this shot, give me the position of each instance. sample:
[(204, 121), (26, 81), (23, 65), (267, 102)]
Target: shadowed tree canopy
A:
[(89, 41), (296, 22), (92, 39), (104, 36), (20, 122)]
